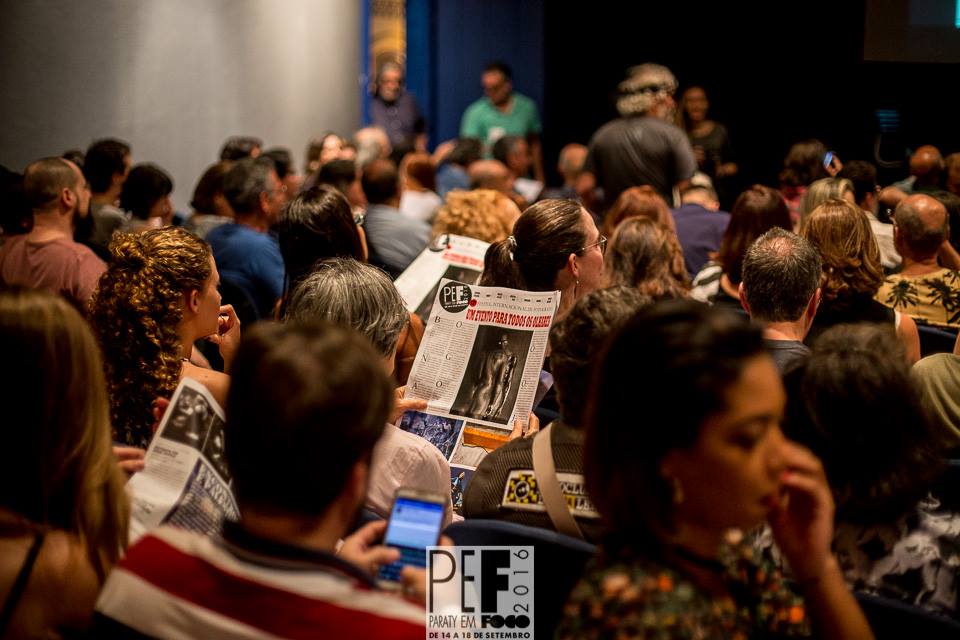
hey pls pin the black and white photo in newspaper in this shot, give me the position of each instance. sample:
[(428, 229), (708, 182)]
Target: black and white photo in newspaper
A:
[(185, 481), (450, 256), (482, 352)]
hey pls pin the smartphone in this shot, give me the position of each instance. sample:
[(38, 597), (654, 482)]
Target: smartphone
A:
[(827, 159), (415, 522)]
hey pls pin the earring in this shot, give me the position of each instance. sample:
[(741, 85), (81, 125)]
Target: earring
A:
[(677, 490), (576, 290)]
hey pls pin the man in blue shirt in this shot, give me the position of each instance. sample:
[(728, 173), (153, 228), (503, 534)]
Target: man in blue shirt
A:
[(700, 226), (247, 254), (393, 239)]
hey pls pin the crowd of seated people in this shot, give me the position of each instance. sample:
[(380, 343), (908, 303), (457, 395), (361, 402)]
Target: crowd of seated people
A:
[(750, 404)]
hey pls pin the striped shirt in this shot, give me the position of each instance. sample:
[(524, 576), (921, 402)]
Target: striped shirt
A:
[(179, 584)]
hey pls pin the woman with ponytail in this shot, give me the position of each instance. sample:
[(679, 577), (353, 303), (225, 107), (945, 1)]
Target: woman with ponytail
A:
[(555, 246)]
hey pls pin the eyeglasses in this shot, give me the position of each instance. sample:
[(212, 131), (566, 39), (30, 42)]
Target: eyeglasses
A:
[(601, 242)]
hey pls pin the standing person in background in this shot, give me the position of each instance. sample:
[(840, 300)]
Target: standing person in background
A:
[(709, 139), (642, 146), (503, 112), (396, 111)]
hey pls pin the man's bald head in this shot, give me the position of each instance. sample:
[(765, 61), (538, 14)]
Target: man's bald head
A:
[(490, 174), (45, 180), (922, 225), (926, 164), (571, 160)]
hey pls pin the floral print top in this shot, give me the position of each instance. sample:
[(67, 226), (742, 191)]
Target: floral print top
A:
[(641, 598), (933, 298)]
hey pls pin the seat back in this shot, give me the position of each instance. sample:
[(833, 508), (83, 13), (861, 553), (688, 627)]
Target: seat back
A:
[(892, 619), (935, 340), (558, 561)]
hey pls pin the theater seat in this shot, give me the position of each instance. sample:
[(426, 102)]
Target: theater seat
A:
[(892, 619), (935, 340), (558, 561)]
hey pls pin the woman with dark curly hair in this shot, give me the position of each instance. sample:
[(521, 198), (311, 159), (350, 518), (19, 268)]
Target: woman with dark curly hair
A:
[(852, 273), (157, 297), (647, 255), (854, 399)]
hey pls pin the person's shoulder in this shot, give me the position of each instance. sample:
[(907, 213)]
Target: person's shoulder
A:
[(64, 574), (216, 382), (650, 597), (938, 364)]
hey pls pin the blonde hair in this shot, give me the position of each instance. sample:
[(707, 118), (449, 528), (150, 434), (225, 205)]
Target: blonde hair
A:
[(851, 259), (822, 190), (646, 254), (61, 473), (480, 214), (136, 312)]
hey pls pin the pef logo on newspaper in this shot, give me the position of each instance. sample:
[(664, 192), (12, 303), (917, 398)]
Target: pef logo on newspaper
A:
[(479, 592), (455, 297)]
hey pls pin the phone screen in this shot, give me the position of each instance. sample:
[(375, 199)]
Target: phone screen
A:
[(828, 159), (414, 526)]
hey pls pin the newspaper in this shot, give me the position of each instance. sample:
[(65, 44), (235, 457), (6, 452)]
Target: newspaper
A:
[(185, 481), (450, 256), (481, 354)]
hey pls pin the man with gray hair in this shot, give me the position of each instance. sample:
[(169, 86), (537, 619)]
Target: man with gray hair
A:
[(642, 146), (780, 288), (247, 254), (925, 291), (359, 296)]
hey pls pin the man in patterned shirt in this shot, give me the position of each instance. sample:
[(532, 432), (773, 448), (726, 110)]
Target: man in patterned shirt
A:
[(923, 289)]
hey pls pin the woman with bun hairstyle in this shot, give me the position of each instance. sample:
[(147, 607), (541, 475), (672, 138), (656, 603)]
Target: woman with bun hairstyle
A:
[(158, 296)]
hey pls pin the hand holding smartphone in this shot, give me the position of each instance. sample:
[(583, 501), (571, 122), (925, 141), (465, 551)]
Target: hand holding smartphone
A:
[(415, 521)]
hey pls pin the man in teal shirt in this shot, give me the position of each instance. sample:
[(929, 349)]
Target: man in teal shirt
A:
[(503, 113)]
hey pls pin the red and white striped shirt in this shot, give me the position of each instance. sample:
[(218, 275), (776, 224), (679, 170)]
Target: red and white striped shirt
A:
[(179, 584)]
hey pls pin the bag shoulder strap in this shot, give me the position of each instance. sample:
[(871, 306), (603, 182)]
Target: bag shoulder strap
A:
[(546, 474)]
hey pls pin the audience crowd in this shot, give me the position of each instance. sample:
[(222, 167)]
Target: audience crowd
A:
[(760, 407)]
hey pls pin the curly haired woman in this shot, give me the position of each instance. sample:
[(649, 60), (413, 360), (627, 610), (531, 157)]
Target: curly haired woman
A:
[(157, 297), (483, 214)]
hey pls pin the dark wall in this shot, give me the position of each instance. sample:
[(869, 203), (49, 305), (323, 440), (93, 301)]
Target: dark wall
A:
[(773, 76)]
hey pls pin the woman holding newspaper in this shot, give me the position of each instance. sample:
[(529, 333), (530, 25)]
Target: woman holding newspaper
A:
[(158, 296), (555, 246)]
